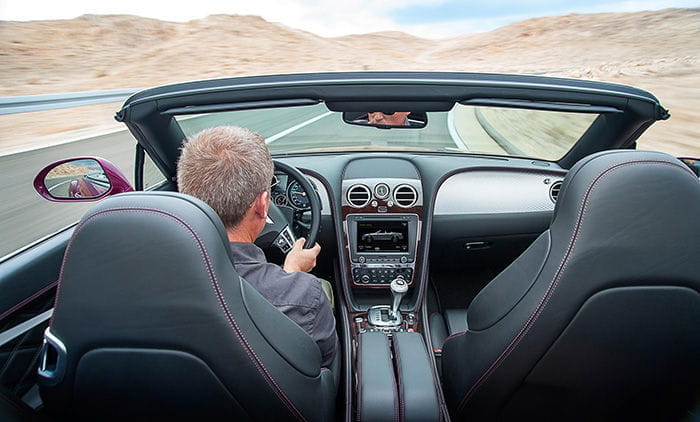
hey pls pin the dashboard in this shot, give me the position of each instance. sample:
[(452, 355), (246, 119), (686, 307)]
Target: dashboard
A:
[(391, 214)]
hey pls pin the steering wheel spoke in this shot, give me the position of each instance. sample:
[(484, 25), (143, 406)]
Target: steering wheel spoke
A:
[(285, 240)]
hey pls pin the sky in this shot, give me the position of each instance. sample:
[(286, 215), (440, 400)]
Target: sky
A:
[(424, 18)]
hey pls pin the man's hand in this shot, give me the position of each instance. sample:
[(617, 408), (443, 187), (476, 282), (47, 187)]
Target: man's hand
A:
[(300, 259)]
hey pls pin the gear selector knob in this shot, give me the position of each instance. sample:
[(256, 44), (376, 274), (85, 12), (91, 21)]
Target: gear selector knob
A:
[(399, 287)]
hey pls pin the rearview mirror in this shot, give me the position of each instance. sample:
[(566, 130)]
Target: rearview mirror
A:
[(387, 119), (80, 179)]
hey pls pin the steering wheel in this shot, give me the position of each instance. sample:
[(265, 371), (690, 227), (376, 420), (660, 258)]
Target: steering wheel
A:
[(277, 232)]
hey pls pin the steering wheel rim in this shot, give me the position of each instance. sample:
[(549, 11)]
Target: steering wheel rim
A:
[(277, 232)]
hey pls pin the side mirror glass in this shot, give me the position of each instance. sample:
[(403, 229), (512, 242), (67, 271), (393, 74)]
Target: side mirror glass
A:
[(387, 119), (80, 179)]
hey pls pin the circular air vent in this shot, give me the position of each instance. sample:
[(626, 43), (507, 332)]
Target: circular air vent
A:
[(405, 196), (554, 191), (359, 196)]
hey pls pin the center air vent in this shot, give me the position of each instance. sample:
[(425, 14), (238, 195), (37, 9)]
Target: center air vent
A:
[(554, 191), (359, 196), (405, 196)]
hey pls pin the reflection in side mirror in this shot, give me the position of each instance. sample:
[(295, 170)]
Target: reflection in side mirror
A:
[(387, 119), (77, 179), (80, 179)]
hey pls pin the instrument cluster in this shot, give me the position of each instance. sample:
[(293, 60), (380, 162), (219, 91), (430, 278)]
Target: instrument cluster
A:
[(288, 192)]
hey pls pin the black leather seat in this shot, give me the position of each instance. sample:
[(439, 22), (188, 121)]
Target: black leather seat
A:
[(152, 322), (600, 316)]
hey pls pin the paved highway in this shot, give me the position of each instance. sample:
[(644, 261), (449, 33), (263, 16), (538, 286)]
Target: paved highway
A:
[(26, 217)]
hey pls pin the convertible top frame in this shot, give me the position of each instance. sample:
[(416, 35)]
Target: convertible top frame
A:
[(150, 114)]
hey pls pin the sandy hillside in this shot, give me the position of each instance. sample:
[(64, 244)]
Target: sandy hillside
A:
[(658, 51)]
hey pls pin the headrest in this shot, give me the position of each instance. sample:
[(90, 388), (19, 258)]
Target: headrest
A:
[(624, 178), (192, 210)]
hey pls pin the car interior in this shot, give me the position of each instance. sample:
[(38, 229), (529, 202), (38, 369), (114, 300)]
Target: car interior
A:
[(557, 280)]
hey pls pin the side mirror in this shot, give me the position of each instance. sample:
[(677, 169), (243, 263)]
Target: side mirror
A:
[(80, 179), (387, 119)]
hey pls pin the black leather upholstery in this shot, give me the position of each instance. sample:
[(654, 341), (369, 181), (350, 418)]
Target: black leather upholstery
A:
[(598, 318), (378, 395), (418, 398), (456, 320), (157, 324)]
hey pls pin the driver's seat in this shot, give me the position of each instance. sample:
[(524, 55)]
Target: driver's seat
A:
[(153, 322)]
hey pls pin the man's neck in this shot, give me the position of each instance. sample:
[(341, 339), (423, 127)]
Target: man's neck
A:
[(239, 234)]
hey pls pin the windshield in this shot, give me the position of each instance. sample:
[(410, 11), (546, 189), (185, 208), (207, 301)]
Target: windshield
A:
[(545, 135)]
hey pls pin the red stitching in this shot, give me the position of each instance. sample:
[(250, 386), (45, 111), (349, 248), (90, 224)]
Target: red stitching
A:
[(29, 299), (397, 398), (555, 281), (399, 375), (217, 290)]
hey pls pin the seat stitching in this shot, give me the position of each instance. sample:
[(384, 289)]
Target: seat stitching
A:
[(29, 299), (399, 379), (249, 349), (397, 411), (217, 290), (555, 281)]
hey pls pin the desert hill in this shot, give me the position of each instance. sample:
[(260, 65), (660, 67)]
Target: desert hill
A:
[(117, 51), (658, 51)]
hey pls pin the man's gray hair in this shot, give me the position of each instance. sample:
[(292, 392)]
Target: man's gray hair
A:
[(227, 167)]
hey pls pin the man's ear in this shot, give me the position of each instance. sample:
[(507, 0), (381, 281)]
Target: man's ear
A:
[(261, 204)]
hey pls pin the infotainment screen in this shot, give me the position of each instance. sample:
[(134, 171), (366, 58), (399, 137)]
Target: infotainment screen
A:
[(382, 236)]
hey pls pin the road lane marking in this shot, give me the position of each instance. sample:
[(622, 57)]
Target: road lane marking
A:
[(292, 129), (453, 132)]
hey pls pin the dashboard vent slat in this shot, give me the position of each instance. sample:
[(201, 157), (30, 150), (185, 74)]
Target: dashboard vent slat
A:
[(358, 196), (554, 191), (405, 196)]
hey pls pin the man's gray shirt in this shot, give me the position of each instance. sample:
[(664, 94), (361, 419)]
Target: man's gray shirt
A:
[(298, 295)]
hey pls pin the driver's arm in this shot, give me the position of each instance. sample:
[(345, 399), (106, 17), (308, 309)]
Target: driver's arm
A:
[(300, 259)]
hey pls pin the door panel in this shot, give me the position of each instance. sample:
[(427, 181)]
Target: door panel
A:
[(28, 283)]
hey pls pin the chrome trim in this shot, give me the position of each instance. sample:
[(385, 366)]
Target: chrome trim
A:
[(556, 185), (55, 375), (50, 338), (362, 186), (377, 186), (374, 317), (21, 328), (392, 182), (415, 195)]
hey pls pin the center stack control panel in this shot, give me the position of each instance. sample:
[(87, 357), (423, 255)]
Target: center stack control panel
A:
[(382, 247), (381, 220)]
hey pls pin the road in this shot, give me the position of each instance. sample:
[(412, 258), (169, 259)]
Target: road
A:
[(26, 217)]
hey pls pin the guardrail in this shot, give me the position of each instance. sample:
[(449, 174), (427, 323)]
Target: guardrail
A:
[(27, 103)]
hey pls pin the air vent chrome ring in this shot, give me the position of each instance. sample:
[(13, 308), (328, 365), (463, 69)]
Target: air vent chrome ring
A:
[(358, 196), (405, 196), (554, 190)]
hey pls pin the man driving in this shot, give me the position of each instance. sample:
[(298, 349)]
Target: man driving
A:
[(230, 168)]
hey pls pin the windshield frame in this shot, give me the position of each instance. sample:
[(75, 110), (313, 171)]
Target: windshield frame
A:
[(148, 114)]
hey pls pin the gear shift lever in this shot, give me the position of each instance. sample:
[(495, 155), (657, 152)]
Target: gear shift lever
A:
[(399, 287)]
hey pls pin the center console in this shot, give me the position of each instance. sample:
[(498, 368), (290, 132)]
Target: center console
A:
[(393, 372)]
